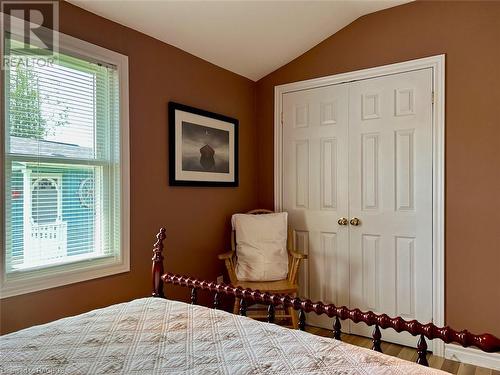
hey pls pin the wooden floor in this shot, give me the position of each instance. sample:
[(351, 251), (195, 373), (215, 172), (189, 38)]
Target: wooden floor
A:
[(410, 354)]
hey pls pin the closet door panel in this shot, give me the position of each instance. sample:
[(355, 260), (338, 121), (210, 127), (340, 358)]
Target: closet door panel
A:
[(390, 192), (315, 191)]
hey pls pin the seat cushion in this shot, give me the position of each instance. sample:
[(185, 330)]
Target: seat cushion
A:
[(275, 287), (261, 246)]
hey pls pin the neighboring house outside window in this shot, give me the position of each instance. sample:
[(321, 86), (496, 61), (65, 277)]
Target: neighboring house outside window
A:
[(66, 179), (50, 228), (45, 232)]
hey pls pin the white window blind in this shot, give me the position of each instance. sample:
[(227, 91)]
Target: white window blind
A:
[(63, 188)]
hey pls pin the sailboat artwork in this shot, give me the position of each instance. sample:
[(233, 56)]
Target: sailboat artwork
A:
[(203, 147)]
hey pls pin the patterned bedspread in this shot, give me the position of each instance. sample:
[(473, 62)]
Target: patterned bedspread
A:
[(157, 336)]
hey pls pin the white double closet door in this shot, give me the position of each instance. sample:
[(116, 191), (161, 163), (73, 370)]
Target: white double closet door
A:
[(363, 150)]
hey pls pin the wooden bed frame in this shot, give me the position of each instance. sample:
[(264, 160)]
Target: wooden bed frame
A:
[(486, 342)]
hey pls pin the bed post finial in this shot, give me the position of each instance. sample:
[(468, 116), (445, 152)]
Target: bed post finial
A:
[(157, 269)]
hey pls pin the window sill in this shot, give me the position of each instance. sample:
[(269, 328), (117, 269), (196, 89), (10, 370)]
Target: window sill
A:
[(32, 280), (33, 266)]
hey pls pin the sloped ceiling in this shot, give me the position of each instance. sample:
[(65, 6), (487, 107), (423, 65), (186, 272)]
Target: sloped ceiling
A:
[(250, 38)]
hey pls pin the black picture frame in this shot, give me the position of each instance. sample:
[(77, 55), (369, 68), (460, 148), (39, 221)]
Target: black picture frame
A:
[(173, 146)]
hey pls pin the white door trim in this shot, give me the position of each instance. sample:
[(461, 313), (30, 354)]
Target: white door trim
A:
[(437, 63)]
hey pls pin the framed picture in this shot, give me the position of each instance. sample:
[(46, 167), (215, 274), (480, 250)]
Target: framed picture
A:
[(203, 147)]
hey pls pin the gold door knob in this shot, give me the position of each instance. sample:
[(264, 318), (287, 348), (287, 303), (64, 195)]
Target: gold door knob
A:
[(342, 221), (355, 221)]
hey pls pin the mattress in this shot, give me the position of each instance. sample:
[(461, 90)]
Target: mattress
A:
[(159, 336)]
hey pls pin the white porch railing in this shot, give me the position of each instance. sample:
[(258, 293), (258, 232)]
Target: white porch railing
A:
[(45, 243)]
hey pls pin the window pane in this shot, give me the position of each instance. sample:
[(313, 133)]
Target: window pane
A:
[(52, 104), (56, 110), (59, 218)]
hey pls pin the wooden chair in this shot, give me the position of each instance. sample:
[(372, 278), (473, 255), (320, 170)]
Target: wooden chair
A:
[(287, 286)]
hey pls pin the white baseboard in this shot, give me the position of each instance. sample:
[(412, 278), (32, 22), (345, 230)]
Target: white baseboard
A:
[(472, 356)]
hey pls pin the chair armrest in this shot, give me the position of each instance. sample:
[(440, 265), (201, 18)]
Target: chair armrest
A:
[(297, 255), (228, 255)]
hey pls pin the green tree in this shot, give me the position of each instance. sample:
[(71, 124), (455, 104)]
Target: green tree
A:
[(26, 117)]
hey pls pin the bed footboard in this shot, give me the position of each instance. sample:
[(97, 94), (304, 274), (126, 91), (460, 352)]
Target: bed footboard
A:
[(486, 342)]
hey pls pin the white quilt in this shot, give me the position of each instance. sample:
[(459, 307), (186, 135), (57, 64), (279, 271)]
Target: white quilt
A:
[(158, 336)]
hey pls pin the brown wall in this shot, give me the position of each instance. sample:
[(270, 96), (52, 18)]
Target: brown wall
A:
[(197, 219), (469, 35)]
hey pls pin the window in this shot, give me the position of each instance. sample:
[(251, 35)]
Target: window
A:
[(65, 169)]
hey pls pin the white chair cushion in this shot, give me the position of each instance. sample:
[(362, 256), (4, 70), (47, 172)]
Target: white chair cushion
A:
[(261, 246)]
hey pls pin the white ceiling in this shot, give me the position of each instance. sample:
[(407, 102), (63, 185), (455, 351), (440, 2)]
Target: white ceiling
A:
[(251, 38)]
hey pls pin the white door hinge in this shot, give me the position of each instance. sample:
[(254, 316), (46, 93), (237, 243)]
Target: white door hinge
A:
[(432, 97), (281, 118)]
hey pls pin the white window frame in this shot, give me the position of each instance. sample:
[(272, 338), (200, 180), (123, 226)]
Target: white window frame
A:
[(17, 283)]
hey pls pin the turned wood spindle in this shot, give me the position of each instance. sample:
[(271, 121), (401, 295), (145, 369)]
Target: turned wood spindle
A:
[(337, 329), (302, 320), (194, 296), (270, 313), (157, 268), (377, 339), (243, 307), (422, 351), (216, 301)]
